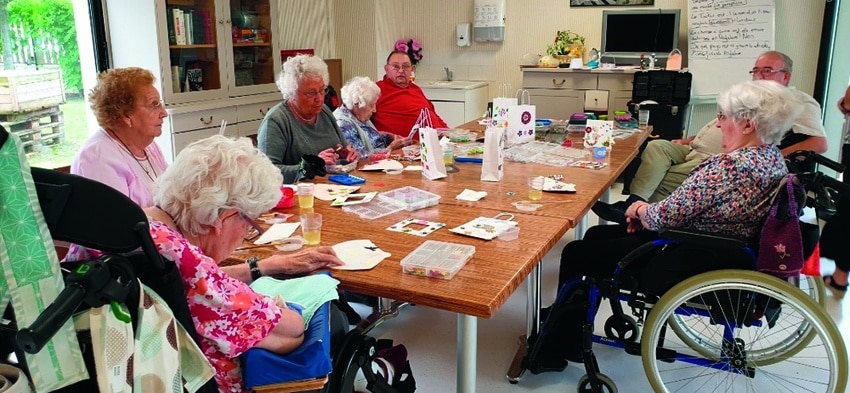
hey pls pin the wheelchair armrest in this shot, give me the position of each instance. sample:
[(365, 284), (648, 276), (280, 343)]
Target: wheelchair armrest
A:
[(702, 238)]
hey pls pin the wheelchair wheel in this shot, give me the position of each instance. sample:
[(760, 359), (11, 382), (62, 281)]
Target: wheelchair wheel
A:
[(608, 385), (752, 305), (690, 329)]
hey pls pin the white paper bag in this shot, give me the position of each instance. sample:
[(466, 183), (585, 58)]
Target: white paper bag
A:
[(492, 164), (521, 118), (431, 154), (502, 106)]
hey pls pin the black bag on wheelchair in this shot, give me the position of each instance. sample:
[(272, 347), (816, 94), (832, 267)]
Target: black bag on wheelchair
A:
[(560, 337)]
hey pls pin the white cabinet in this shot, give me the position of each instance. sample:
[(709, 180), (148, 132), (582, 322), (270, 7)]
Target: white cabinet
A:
[(222, 67), (457, 102), (560, 92)]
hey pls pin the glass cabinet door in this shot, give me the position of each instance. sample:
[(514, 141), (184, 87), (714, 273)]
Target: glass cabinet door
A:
[(193, 46), (253, 55)]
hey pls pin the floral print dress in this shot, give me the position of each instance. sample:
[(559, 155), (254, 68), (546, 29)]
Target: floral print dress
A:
[(728, 193), (229, 316)]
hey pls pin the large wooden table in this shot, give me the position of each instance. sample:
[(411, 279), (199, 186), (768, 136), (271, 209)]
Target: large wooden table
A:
[(498, 267)]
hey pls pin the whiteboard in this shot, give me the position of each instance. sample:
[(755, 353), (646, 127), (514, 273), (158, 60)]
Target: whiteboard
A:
[(724, 39)]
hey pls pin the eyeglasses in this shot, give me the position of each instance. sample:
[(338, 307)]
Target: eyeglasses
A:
[(720, 116), (254, 229), (312, 94), (154, 105), (400, 67), (765, 71)]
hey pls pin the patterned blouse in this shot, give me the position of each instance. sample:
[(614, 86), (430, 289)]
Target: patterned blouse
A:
[(728, 193), (229, 317), (355, 131)]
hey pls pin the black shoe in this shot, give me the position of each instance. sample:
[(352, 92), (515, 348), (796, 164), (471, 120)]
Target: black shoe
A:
[(614, 212)]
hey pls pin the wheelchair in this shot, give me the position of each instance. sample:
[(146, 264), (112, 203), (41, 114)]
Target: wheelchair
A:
[(725, 330)]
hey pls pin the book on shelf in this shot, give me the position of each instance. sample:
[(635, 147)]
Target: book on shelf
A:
[(179, 27), (172, 39), (188, 19)]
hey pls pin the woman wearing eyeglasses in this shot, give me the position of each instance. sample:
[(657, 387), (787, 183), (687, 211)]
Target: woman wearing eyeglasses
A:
[(725, 194), (301, 124), (359, 97), (123, 154), (206, 204)]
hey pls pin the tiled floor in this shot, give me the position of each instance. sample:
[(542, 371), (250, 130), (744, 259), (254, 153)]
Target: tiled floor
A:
[(430, 337)]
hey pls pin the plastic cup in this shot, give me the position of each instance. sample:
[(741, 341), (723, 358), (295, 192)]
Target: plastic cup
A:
[(535, 188), (311, 228), (448, 155), (305, 195), (643, 118)]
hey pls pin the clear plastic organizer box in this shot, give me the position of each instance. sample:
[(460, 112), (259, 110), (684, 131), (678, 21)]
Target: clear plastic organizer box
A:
[(410, 198), (437, 259)]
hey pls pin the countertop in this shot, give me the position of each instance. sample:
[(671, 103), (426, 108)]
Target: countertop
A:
[(453, 85)]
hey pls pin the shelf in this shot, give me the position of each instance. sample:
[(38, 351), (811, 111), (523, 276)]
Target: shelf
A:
[(246, 44), (193, 46)]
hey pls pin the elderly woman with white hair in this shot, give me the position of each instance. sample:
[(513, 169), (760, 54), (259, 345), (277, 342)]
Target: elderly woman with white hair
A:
[(301, 124), (205, 205), (726, 194), (359, 98)]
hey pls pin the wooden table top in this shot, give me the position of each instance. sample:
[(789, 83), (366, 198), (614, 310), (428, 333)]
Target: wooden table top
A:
[(495, 271), (498, 267)]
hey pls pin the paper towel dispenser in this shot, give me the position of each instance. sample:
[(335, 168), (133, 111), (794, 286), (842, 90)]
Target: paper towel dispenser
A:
[(489, 23)]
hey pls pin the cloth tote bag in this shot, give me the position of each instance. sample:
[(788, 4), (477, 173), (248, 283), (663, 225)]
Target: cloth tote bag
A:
[(781, 242)]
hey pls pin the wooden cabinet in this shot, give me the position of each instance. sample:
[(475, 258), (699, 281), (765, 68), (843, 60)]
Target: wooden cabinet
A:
[(213, 60), (457, 102), (559, 92)]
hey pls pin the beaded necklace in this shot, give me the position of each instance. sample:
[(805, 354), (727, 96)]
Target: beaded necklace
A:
[(303, 120)]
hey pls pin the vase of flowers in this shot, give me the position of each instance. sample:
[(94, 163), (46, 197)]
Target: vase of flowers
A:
[(567, 45)]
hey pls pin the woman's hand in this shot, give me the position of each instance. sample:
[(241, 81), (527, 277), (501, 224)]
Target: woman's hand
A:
[(329, 155), (302, 262), (350, 154), (633, 218), (397, 143)]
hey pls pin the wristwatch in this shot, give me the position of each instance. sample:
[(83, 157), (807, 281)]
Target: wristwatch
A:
[(255, 270)]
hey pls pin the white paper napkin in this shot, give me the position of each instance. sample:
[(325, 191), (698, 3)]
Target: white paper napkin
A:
[(277, 232), (471, 195), (359, 254), (381, 165)]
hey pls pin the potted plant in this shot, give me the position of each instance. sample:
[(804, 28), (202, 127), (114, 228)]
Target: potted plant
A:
[(568, 44)]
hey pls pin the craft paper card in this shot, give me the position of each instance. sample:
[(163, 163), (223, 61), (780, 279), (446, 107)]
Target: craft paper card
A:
[(413, 168), (359, 254), (354, 199), (382, 165), (471, 195), (484, 228), (329, 192), (599, 133), (277, 232), (589, 164), (414, 226)]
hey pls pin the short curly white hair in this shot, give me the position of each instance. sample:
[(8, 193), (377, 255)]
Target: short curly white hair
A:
[(215, 174), (295, 69), (360, 91), (772, 107)]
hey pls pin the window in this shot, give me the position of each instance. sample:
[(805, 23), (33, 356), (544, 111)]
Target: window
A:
[(58, 44)]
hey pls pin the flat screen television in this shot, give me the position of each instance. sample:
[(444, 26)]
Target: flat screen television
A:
[(628, 34)]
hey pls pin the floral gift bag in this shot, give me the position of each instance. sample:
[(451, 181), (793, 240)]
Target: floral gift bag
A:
[(430, 151), (521, 119)]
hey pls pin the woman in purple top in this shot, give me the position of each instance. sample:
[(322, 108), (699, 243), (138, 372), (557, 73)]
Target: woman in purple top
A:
[(123, 154)]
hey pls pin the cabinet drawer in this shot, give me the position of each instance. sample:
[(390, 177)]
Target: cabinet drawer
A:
[(254, 111), (445, 94), (249, 128), (195, 120), (616, 82), (557, 104), (559, 80), (183, 139)]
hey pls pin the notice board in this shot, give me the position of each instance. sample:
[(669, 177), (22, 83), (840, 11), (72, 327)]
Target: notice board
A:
[(724, 39)]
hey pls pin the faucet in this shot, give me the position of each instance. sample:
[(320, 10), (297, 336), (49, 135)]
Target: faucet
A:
[(448, 74)]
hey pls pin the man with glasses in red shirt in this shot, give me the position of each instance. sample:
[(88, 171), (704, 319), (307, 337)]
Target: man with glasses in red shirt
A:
[(401, 101), (666, 164)]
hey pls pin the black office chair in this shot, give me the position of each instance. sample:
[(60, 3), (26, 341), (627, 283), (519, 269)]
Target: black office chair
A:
[(96, 216)]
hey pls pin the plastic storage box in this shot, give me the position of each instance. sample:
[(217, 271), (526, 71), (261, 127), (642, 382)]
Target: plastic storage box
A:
[(410, 198), (437, 259)]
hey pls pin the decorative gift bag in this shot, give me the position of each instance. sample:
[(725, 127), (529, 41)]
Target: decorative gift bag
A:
[(502, 106), (492, 167), (430, 151), (781, 243), (521, 120)]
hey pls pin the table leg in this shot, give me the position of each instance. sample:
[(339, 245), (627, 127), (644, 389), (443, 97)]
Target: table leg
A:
[(581, 228), (467, 348), (532, 325), (387, 308), (606, 197)]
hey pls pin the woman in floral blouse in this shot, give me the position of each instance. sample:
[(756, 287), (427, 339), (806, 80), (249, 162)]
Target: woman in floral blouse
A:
[(206, 204), (359, 97), (726, 194)]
